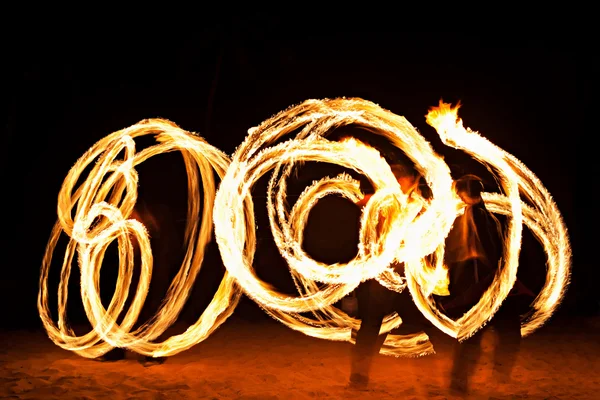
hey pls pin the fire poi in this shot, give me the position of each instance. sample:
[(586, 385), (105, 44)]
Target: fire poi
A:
[(97, 210)]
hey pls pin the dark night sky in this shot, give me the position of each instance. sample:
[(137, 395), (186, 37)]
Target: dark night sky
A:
[(66, 92)]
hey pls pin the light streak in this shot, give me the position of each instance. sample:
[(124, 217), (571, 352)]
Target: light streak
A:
[(99, 211)]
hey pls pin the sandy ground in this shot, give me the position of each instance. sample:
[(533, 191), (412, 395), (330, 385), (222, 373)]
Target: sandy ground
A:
[(265, 360)]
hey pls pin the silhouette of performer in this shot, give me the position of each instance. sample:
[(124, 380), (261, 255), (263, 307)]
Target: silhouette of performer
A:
[(473, 255), (375, 301), (160, 280)]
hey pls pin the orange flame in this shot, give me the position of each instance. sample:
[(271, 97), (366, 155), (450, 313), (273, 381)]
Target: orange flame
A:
[(416, 229)]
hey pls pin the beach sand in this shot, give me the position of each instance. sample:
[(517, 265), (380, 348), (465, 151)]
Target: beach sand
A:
[(265, 360)]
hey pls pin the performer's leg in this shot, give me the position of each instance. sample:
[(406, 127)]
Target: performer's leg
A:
[(161, 279), (367, 338), (386, 304), (110, 269), (466, 355), (507, 324)]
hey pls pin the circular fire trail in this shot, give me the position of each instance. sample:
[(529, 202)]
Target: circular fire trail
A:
[(96, 210)]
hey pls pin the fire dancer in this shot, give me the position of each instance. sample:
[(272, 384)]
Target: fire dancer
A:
[(473, 255), (143, 214), (375, 301), (473, 248)]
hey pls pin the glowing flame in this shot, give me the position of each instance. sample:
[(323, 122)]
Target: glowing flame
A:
[(542, 218), (100, 211), (444, 118)]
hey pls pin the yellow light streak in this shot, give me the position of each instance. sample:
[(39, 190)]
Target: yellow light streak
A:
[(99, 211)]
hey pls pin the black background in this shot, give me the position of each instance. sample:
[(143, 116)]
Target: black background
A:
[(523, 91)]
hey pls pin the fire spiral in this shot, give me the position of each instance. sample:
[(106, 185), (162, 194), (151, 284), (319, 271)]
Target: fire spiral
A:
[(99, 212)]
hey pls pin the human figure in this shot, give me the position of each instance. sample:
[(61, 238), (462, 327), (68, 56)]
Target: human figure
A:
[(160, 278), (474, 251), (375, 301)]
